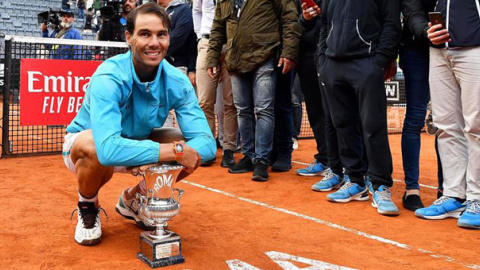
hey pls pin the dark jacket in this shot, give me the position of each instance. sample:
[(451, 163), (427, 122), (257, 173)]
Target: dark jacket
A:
[(180, 52), (415, 23), (263, 28), (360, 28), (112, 30), (463, 22), (310, 32)]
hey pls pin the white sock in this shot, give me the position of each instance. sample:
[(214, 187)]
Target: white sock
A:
[(93, 199)]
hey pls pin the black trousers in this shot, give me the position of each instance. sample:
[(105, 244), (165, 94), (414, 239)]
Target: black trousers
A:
[(355, 92), (307, 73)]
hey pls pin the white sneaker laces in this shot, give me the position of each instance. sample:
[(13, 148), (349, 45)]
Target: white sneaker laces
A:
[(385, 195), (347, 185), (441, 200), (473, 206), (328, 174)]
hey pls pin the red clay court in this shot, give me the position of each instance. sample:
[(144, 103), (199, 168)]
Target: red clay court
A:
[(230, 222)]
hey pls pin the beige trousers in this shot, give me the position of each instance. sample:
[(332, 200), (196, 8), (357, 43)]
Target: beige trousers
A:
[(455, 94), (207, 91)]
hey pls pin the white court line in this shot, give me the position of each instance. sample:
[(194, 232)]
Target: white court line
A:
[(336, 226), (395, 180)]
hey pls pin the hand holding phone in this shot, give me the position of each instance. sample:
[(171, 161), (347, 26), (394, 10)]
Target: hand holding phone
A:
[(437, 32), (436, 18), (309, 9)]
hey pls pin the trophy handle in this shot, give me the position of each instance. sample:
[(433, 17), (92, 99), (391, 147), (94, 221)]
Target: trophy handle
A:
[(180, 193)]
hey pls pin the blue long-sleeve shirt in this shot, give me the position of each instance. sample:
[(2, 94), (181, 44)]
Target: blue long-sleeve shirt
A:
[(121, 111)]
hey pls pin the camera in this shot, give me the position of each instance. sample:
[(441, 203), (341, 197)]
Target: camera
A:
[(111, 9), (51, 18)]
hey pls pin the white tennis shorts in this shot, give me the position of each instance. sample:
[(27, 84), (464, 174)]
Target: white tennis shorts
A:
[(67, 147)]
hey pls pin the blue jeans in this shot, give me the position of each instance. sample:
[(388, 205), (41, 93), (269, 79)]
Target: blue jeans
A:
[(254, 97), (415, 65)]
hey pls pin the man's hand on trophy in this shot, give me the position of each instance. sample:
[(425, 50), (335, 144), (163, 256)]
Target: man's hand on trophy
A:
[(190, 159), (137, 170)]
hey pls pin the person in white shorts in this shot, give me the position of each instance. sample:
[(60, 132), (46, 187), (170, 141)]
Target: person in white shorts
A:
[(129, 96)]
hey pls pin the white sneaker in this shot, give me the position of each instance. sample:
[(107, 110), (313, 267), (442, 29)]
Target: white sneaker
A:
[(295, 144), (89, 228), (129, 210)]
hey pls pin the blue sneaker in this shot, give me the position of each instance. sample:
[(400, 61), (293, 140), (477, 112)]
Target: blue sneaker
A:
[(442, 208), (314, 169), (471, 217), (348, 192), (368, 184), (329, 182), (382, 200)]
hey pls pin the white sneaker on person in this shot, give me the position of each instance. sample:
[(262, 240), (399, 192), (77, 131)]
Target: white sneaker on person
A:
[(89, 228)]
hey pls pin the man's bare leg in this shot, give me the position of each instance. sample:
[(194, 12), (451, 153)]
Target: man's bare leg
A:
[(91, 174), (91, 177)]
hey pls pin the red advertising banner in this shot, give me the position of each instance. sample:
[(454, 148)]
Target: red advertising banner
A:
[(51, 91)]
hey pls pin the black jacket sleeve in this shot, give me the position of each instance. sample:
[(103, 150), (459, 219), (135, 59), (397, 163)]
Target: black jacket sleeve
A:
[(322, 42), (391, 31), (415, 18)]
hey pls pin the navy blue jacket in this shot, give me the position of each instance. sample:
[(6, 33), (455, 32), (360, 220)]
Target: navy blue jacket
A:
[(181, 53), (360, 28), (463, 21)]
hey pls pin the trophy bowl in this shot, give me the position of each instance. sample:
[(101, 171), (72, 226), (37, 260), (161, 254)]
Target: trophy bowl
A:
[(161, 203)]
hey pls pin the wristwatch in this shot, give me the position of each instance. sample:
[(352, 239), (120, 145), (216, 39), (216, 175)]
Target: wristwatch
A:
[(178, 149)]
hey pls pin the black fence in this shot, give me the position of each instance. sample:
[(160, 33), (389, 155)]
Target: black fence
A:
[(29, 140), (18, 140)]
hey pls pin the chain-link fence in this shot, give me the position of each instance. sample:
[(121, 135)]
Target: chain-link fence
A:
[(44, 139)]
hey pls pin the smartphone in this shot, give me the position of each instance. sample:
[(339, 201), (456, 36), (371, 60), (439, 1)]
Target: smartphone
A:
[(436, 18), (310, 3)]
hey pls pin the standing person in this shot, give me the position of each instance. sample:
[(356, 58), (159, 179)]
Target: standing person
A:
[(455, 94), (255, 33), (358, 45), (66, 31), (414, 63), (113, 29), (297, 100), (81, 8), (97, 5), (88, 19), (181, 53), (281, 156), (128, 96), (66, 5), (307, 71), (333, 174), (203, 14)]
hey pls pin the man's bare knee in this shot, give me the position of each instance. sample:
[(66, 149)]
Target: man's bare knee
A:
[(84, 148)]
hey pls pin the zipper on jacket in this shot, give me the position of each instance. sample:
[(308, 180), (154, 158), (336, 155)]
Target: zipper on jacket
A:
[(477, 2), (329, 33), (448, 19), (360, 36)]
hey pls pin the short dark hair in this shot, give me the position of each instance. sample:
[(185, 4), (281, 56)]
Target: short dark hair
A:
[(147, 8)]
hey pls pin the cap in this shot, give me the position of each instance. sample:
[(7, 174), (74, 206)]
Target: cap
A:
[(65, 12)]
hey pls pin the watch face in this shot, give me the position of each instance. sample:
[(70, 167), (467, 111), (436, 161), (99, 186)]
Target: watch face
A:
[(179, 148)]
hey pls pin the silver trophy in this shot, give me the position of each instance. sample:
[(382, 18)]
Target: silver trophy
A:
[(160, 247)]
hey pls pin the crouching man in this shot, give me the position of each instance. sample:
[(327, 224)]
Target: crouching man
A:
[(130, 95)]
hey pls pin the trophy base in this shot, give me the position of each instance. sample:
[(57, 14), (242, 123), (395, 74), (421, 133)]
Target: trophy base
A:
[(160, 252)]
